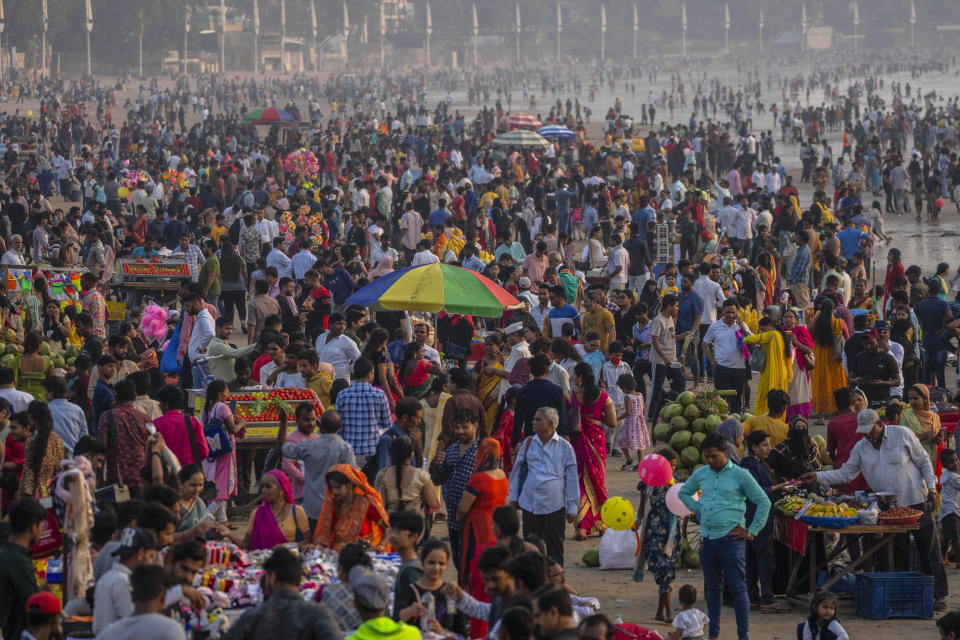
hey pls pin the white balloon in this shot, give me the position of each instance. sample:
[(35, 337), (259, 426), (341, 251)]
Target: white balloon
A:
[(675, 504)]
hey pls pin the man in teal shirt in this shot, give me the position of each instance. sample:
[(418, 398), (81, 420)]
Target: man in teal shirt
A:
[(725, 488)]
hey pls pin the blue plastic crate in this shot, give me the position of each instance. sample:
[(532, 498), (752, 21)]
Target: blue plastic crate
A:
[(893, 595)]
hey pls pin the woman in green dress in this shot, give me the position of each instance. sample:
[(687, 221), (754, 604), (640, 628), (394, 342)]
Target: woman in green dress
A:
[(31, 369), (191, 508)]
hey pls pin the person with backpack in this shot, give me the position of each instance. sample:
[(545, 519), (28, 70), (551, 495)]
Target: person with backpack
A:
[(219, 429)]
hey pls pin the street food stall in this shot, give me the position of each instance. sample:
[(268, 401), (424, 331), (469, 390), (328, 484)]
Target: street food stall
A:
[(801, 524), (157, 276)]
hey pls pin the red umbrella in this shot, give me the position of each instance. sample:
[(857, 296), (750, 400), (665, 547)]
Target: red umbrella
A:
[(523, 121)]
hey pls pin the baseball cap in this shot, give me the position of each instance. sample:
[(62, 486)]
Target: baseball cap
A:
[(524, 283), (882, 325), (866, 419), (134, 539), (44, 603), (513, 327), (370, 590)]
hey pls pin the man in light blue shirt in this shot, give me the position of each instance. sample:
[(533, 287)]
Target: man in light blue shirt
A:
[(725, 489), (550, 491), (69, 421)]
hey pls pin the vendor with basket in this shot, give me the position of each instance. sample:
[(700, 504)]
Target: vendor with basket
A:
[(892, 459)]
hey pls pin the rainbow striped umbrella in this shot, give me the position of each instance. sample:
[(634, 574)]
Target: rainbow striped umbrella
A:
[(268, 115), (435, 287)]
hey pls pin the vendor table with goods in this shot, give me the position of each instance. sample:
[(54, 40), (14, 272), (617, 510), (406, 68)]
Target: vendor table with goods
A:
[(259, 408), (231, 577), (156, 276), (812, 517)]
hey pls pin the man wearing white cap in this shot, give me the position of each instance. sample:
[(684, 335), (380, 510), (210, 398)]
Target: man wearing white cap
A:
[(892, 459), (519, 348)]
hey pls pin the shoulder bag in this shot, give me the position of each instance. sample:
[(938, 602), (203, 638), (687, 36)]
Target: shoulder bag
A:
[(758, 359), (121, 492), (524, 467)]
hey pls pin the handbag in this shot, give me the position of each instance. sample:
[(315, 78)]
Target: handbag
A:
[(838, 344), (809, 361), (121, 492), (758, 359), (218, 438), (209, 491), (524, 468)]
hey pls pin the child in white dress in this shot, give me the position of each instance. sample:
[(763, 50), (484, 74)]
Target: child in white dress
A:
[(690, 622)]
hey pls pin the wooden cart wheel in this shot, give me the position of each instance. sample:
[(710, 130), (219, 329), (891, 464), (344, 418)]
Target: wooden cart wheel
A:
[(690, 530)]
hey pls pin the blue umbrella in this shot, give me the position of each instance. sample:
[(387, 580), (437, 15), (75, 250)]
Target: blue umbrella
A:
[(556, 131)]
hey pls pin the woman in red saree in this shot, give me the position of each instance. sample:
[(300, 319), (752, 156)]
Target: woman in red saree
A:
[(418, 374), (486, 490), (590, 411), (352, 511)]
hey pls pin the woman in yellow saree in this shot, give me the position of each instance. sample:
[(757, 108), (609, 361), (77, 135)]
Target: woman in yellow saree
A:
[(922, 421), (778, 368), (487, 376)]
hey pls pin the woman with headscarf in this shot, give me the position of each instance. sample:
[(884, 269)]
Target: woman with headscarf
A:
[(777, 372), (352, 510), (383, 267), (796, 455), (277, 520), (486, 490), (650, 297), (923, 422), (732, 432)]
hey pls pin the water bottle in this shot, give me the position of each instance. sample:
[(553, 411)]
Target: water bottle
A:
[(427, 601), (618, 620)]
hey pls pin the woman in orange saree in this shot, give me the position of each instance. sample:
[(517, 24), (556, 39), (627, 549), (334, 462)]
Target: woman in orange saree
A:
[(591, 411), (352, 511)]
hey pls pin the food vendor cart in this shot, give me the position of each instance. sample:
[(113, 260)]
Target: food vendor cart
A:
[(255, 407), (157, 276), (802, 534)]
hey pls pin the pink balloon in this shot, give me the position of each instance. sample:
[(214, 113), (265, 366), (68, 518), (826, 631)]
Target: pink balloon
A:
[(655, 470), (675, 504)]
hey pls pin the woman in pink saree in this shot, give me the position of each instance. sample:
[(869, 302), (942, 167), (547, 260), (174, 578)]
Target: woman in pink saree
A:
[(590, 411)]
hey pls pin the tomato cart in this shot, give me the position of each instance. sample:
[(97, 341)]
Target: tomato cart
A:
[(157, 276), (258, 408)]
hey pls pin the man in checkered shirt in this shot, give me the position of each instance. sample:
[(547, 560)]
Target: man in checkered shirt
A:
[(452, 468), (192, 253), (364, 414)]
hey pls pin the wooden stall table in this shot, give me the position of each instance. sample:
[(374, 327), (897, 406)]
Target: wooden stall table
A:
[(796, 536)]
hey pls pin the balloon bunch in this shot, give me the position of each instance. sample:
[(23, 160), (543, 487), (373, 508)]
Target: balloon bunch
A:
[(303, 164), (173, 179)]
